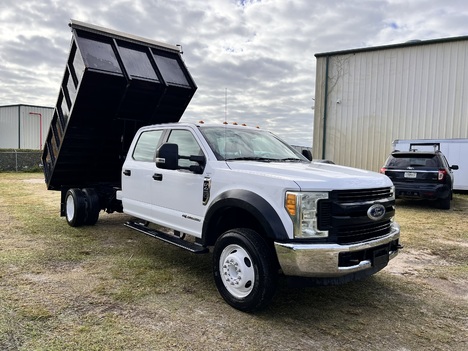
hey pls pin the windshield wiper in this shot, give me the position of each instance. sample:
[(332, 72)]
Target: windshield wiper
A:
[(253, 158), (264, 159), (291, 159)]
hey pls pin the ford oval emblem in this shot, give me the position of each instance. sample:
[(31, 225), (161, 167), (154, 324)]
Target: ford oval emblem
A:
[(376, 212)]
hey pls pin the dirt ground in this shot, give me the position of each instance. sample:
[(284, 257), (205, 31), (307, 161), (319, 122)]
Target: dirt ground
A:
[(109, 288)]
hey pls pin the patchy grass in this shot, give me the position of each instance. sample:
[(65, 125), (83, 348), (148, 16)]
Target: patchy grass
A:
[(109, 288)]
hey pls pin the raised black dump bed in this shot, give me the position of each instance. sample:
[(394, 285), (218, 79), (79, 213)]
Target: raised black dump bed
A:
[(113, 84)]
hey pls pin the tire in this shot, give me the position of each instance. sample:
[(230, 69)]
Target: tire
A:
[(444, 203), (244, 269), (93, 206), (75, 207)]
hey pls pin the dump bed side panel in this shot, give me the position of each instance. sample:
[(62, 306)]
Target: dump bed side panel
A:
[(113, 84)]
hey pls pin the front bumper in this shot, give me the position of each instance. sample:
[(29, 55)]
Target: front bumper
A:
[(333, 260)]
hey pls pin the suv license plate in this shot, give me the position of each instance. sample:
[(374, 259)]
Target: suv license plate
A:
[(410, 174)]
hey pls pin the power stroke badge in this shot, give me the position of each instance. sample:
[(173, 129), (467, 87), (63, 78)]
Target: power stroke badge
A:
[(206, 190)]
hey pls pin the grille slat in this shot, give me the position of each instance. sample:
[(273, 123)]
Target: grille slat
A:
[(363, 233), (363, 195)]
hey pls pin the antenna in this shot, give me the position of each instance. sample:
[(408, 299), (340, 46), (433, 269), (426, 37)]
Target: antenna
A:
[(225, 104), (225, 122)]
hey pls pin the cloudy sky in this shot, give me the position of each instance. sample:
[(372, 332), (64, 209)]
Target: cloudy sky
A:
[(257, 53)]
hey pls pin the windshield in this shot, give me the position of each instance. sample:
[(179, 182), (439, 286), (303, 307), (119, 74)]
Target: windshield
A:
[(231, 144), (413, 160)]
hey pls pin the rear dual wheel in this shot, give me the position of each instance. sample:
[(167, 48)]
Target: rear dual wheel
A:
[(92, 206), (81, 207)]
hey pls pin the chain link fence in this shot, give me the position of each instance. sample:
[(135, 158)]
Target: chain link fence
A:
[(20, 160)]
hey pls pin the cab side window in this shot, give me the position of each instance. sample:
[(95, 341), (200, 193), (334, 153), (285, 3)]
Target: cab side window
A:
[(145, 148), (188, 146)]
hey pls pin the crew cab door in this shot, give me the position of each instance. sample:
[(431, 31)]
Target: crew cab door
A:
[(178, 194), (137, 175)]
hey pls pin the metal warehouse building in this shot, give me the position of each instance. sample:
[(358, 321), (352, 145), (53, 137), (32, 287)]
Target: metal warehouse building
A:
[(24, 126), (366, 98)]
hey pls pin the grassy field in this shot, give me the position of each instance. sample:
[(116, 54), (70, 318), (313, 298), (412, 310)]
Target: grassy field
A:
[(109, 288)]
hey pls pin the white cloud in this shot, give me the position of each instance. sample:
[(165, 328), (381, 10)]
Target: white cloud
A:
[(261, 52)]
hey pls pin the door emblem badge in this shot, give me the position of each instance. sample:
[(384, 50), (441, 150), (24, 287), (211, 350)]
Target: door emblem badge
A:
[(206, 190)]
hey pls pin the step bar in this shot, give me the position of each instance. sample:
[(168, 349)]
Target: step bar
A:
[(168, 238)]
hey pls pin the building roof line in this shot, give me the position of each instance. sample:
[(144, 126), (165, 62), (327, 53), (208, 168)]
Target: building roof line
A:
[(410, 43), (26, 105)]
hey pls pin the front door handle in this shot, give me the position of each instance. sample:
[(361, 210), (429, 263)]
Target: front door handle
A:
[(157, 176), (127, 172)]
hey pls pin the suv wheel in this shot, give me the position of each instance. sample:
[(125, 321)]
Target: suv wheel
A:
[(444, 203)]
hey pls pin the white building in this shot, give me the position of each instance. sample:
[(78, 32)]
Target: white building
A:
[(24, 126), (366, 98)]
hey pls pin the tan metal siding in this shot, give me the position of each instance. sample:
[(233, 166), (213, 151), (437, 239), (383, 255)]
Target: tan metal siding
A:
[(34, 125), (20, 126), (375, 97), (318, 136), (9, 137)]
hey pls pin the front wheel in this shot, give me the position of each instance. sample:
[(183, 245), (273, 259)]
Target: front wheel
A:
[(244, 269)]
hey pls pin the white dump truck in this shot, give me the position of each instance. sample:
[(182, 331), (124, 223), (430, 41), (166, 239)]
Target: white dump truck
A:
[(240, 194)]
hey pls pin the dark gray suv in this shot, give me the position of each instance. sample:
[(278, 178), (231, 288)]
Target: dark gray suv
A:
[(421, 175)]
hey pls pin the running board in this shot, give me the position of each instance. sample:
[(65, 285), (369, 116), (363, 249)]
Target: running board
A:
[(171, 239)]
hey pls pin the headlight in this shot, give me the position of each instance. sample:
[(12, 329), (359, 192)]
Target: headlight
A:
[(302, 208)]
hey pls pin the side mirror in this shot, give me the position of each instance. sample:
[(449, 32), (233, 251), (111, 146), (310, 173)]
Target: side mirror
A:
[(307, 154), (454, 167), (198, 169), (167, 156)]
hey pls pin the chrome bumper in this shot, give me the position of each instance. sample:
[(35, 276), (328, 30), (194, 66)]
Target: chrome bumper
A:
[(321, 260)]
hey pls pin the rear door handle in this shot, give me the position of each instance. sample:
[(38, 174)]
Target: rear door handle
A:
[(157, 176), (127, 172)]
